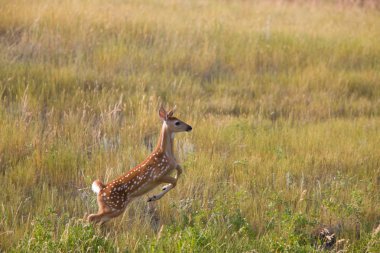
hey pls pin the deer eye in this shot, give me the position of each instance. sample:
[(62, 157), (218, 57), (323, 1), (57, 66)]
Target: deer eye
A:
[(177, 123)]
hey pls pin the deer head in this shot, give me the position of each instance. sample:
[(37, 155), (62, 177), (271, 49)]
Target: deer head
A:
[(173, 124)]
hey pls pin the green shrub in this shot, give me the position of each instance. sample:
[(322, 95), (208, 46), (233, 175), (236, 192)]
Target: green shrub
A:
[(51, 233)]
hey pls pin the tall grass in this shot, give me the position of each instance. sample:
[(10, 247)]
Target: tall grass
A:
[(283, 98)]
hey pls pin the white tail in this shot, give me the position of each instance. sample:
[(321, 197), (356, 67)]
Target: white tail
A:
[(114, 197), (97, 186)]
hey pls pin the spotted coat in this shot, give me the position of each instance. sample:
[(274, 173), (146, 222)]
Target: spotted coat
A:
[(118, 192)]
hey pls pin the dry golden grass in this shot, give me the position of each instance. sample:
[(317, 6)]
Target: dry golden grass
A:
[(283, 98)]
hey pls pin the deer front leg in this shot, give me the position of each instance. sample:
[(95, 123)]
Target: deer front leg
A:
[(165, 179), (179, 171)]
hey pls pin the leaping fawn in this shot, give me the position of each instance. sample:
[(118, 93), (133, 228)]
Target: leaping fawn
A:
[(114, 197)]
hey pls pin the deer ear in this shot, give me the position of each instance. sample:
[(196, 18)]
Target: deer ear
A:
[(171, 112), (162, 113)]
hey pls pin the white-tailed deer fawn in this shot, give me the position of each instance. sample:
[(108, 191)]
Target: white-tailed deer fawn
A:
[(114, 197)]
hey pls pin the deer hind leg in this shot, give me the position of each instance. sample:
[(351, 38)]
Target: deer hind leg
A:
[(104, 213), (166, 179), (104, 216)]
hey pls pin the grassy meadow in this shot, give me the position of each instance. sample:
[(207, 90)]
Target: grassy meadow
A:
[(283, 98)]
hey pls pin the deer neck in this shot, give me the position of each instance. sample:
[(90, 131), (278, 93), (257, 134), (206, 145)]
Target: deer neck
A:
[(165, 142)]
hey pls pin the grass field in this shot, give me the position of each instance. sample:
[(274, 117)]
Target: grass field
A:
[(283, 97)]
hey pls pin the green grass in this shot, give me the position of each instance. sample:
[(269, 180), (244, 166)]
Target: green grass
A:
[(284, 100)]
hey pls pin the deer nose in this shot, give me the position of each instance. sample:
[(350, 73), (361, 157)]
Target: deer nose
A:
[(189, 128)]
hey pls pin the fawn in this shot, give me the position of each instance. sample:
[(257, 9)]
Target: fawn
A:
[(114, 197)]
